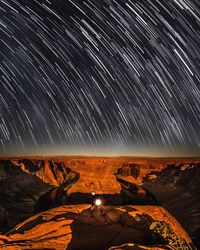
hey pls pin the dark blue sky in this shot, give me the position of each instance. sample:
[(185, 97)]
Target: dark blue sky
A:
[(100, 77)]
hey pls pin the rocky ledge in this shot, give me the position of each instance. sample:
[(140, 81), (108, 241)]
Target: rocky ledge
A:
[(29, 186), (177, 188), (84, 227)]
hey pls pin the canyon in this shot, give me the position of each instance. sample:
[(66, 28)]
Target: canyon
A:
[(48, 199)]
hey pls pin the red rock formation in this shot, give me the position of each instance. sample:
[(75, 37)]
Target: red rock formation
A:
[(132, 246), (80, 227), (177, 187)]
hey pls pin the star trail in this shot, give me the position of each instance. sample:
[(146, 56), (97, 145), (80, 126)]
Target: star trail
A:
[(100, 76)]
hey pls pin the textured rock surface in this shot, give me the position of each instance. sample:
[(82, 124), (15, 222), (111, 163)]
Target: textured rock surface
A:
[(21, 188), (131, 246), (19, 191), (178, 189), (23, 181), (173, 182), (3, 216), (79, 227)]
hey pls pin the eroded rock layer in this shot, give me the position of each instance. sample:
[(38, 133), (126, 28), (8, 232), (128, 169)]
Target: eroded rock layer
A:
[(178, 188), (173, 183), (80, 227)]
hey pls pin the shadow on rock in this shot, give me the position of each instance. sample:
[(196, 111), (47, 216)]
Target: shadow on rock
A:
[(97, 227), (178, 188), (57, 195), (103, 227)]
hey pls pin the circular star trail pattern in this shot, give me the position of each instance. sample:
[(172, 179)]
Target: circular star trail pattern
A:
[(113, 76)]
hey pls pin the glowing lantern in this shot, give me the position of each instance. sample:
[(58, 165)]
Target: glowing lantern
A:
[(98, 202)]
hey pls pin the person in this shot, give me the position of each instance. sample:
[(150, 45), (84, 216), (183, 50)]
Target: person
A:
[(97, 202)]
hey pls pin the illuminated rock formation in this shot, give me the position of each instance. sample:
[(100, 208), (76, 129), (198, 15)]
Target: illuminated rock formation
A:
[(80, 227)]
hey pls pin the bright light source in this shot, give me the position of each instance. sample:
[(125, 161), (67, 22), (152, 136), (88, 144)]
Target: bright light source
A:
[(98, 202)]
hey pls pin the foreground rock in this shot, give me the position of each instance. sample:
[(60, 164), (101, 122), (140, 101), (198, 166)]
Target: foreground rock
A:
[(174, 183), (131, 246), (3, 216), (178, 188), (29, 185), (80, 227), (21, 189)]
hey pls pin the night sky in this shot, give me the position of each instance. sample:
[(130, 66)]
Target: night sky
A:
[(110, 77)]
